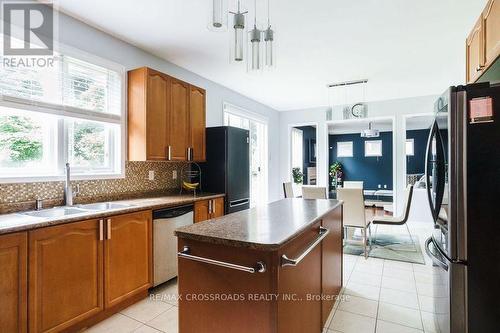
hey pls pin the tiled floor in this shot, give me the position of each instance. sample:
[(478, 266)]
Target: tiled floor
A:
[(380, 296)]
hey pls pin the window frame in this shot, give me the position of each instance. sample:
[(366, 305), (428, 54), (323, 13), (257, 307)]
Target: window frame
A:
[(351, 148), (67, 113), (376, 154)]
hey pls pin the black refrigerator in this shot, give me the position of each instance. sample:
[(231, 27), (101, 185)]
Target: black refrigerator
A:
[(227, 169), (463, 187)]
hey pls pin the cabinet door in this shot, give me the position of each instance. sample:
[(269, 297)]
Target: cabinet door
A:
[(127, 256), (298, 314), (491, 26), (65, 275), (331, 261), (201, 211), (197, 123), (13, 283), (475, 52), (217, 207), (179, 120), (157, 116)]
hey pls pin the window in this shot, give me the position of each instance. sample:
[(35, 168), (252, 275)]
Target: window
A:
[(410, 147), (344, 149), (71, 112), (297, 148), (373, 148)]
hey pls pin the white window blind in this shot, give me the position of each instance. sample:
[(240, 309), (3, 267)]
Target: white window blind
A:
[(70, 87), (373, 148), (410, 148), (344, 149), (297, 148)]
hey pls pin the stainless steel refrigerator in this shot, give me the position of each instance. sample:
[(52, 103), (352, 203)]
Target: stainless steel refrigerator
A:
[(463, 185), (227, 169)]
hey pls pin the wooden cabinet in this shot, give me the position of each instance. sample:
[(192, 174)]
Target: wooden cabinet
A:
[(127, 256), (81, 272), (197, 123), (148, 116), (475, 52), (13, 282), (208, 209), (483, 42), (166, 118), (65, 275), (491, 27), (179, 118)]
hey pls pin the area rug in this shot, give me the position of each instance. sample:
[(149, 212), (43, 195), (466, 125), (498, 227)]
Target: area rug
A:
[(391, 247)]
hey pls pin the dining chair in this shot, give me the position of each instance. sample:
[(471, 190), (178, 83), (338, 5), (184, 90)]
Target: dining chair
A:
[(353, 184), (314, 192), (398, 220), (354, 213), (288, 190)]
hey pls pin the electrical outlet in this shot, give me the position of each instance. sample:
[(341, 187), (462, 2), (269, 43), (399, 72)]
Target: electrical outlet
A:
[(379, 186), (174, 174), (385, 186), (151, 175)]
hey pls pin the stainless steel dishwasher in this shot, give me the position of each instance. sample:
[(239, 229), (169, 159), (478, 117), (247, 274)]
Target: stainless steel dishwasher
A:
[(165, 221)]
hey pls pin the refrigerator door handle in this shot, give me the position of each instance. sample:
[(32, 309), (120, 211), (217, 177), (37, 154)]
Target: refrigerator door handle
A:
[(431, 254), (428, 156)]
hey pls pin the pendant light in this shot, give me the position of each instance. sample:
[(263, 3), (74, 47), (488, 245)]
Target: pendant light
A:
[(217, 19), (255, 38), (238, 40), (269, 41)]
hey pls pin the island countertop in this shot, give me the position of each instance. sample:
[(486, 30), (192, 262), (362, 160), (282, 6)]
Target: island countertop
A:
[(265, 227)]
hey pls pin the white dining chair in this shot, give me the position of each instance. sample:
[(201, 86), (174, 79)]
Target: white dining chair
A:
[(353, 184), (353, 213), (314, 192), (288, 190)]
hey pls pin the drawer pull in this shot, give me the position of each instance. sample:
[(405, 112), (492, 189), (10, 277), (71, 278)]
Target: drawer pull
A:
[(285, 261), (260, 267)]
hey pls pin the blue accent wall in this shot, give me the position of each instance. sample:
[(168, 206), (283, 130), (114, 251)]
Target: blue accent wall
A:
[(308, 134), (415, 164), (371, 170)]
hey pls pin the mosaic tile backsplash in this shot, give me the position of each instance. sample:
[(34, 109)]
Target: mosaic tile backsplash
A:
[(21, 196)]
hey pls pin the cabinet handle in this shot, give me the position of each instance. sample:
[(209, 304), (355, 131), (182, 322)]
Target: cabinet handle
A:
[(209, 206), (108, 221), (479, 68), (189, 154), (285, 261), (169, 153), (101, 229), (213, 206)]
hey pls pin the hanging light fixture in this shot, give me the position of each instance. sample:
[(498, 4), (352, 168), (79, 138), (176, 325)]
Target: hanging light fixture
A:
[(238, 42), (269, 39), (255, 39), (217, 19)]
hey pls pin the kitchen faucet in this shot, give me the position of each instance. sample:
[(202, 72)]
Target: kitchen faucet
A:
[(68, 189)]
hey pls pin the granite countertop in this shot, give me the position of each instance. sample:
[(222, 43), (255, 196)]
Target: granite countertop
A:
[(17, 222), (263, 228)]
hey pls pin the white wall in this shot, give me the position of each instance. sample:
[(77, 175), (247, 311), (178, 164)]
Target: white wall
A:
[(80, 35), (398, 109)]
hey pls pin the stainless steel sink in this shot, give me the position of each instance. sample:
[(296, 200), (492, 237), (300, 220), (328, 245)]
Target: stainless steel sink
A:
[(104, 206), (55, 212)]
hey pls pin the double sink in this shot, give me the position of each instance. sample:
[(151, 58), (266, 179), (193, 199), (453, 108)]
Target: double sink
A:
[(79, 209)]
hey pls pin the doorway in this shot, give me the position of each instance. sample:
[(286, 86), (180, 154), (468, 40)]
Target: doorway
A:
[(257, 126)]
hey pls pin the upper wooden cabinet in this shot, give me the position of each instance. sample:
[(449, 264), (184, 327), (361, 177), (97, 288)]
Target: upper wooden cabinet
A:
[(166, 118), (491, 26), (13, 282), (483, 42)]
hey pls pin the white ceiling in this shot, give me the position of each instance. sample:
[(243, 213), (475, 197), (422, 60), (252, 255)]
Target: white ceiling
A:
[(405, 48)]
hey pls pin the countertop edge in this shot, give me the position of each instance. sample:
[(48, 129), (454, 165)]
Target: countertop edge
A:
[(252, 245), (103, 214)]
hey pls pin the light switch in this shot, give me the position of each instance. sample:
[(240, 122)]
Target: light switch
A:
[(151, 175), (174, 174)]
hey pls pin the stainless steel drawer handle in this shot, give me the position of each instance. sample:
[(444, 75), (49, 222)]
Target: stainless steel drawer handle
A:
[(260, 267), (285, 261)]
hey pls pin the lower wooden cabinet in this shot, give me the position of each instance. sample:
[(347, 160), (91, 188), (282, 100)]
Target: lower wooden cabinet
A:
[(83, 270), (128, 268), (13, 283), (65, 275), (208, 209)]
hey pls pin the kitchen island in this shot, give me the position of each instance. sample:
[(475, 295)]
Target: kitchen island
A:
[(274, 268)]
